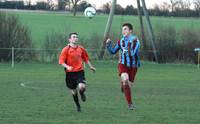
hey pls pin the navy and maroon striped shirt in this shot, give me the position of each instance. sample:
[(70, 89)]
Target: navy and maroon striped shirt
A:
[(129, 50)]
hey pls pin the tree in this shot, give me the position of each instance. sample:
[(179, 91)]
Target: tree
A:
[(173, 4), (62, 4), (83, 5), (50, 4), (155, 11), (42, 5), (188, 4), (164, 6), (106, 7), (75, 5), (119, 9), (197, 6), (13, 34), (183, 5), (130, 10)]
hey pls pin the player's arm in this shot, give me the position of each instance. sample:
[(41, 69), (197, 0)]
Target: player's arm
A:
[(111, 49), (91, 66), (67, 66), (62, 59), (85, 58)]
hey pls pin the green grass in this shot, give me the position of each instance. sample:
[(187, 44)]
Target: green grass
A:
[(163, 94), (42, 23)]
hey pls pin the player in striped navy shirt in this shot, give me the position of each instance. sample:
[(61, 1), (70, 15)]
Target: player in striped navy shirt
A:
[(129, 59)]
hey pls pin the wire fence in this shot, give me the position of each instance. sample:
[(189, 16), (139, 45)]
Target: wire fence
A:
[(20, 55), (37, 55)]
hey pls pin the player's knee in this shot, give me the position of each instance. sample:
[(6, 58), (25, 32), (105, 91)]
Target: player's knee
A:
[(81, 86), (124, 78)]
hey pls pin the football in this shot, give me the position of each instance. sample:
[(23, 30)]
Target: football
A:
[(90, 12)]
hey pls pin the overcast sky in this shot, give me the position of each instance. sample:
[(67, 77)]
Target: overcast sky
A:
[(124, 3)]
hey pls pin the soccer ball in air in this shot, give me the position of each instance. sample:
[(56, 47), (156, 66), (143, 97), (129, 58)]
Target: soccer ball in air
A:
[(90, 12)]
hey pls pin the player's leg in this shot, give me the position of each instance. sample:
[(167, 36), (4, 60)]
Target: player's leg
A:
[(121, 84), (127, 89), (132, 73), (76, 100), (72, 85), (82, 91), (82, 85)]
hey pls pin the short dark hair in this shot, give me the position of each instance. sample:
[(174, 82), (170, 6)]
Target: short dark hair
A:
[(70, 34), (129, 25)]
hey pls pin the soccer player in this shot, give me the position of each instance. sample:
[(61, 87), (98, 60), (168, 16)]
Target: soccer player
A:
[(128, 61), (72, 58)]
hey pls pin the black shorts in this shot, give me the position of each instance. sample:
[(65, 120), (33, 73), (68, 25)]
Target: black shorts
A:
[(72, 79)]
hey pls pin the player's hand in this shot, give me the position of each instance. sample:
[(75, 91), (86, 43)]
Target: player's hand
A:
[(93, 69), (108, 40), (69, 68)]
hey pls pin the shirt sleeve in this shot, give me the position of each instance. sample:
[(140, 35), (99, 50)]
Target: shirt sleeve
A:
[(114, 49), (137, 47), (63, 56), (85, 56)]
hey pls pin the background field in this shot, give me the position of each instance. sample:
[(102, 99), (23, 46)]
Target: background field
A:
[(163, 94), (43, 23)]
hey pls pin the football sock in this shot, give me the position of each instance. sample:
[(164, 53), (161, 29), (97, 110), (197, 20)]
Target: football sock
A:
[(75, 96), (127, 93), (81, 91)]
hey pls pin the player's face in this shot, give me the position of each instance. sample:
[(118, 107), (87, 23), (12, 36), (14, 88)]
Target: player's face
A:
[(73, 38), (126, 31)]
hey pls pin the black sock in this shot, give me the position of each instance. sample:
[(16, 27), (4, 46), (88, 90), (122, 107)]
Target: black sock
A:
[(75, 96)]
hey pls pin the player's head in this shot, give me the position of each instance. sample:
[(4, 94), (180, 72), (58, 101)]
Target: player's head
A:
[(127, 29), (73, 37)]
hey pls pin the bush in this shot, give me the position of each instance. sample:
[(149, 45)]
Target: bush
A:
[(13, 34), (56, 41), (189, 40), (53, 44), (176, 46), (166, 44)]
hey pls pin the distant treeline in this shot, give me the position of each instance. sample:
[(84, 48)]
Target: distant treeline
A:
[(177, 8), (21, 5)]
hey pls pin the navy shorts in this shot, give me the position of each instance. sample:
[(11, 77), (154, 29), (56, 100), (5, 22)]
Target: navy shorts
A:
[(72, 79)]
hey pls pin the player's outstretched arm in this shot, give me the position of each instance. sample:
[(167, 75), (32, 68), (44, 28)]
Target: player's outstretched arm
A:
[(92, 68)]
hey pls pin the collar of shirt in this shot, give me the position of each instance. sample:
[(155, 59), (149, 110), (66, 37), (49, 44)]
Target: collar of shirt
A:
[(128, 38)]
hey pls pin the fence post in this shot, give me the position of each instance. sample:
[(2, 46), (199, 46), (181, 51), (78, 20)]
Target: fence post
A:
[(13, 57), (198, 56), (198, 59)]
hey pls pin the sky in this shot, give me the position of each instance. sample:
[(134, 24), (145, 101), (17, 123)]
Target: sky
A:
[(124, 3)]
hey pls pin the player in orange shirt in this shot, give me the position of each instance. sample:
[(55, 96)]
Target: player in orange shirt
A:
[(72, 58)]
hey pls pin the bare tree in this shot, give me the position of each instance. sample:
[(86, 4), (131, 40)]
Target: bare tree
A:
[(188, 4), (173, 4), (183, 5), (197, 5), (106, 7), (50, 4), (62, 4), (75, 4), (165, 6)]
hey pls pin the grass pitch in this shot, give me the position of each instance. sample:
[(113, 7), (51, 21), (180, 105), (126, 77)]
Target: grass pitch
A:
[(163, 94)]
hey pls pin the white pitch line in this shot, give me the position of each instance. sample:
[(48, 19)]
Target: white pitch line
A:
[(25, 85)]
